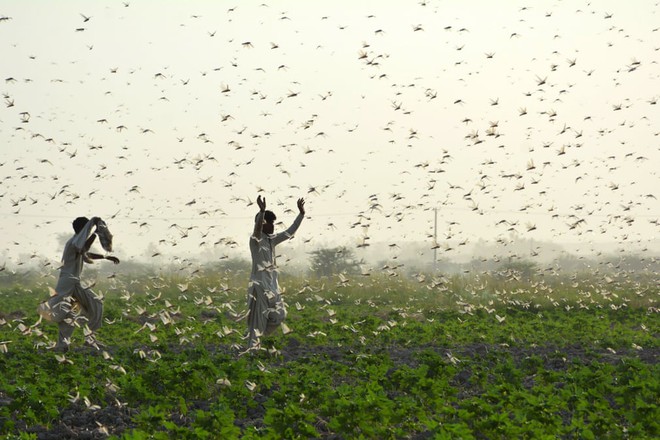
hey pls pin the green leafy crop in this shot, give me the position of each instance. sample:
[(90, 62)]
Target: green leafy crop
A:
[(388, 359)]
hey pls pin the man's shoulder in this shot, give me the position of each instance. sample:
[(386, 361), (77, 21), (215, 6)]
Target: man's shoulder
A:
[(69, 244)]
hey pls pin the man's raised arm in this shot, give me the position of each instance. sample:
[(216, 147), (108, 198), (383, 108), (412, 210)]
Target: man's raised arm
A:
[(282, 236), (259, 221), (80, 239)]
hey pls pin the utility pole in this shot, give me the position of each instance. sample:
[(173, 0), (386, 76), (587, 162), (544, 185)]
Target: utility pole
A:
[(435, 239)]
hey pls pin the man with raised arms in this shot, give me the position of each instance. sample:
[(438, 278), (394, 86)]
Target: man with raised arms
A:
[(266, 310)]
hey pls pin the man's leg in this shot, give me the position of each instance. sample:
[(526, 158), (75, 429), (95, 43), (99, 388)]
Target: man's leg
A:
[(91, 315), (91, 307), (64, 335), (257, 318), (276, 314), (59, 310)]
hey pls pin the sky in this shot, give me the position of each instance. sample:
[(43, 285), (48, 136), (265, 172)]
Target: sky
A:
[(502, 120)]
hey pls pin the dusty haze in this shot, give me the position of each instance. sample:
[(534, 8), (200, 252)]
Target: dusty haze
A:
[(516, 121)]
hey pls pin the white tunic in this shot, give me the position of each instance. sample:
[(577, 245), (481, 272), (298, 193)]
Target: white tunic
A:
[(72, 260), (266, 309), (68, 285)]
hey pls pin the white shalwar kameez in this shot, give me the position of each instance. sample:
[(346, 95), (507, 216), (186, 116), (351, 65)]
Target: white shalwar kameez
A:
[(59, 307), (266, 310)]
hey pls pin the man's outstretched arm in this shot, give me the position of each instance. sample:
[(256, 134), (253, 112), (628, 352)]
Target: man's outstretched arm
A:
[(93, 256), (282, 236)]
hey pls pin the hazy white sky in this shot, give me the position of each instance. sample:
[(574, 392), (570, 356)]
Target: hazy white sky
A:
[(509, 117)]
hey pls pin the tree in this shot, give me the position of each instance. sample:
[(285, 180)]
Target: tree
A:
[(519, 270), (331, 261)]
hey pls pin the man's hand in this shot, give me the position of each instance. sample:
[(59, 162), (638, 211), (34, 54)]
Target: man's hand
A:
[(113, 259), (261, 202), (301, 205)]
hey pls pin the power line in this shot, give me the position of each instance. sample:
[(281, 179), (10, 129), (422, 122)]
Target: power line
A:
[(334, 214)]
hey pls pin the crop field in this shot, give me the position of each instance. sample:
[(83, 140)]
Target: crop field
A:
[(372, 357)]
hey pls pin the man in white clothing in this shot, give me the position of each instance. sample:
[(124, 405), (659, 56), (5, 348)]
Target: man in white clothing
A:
[(266, 310), (69, 291)]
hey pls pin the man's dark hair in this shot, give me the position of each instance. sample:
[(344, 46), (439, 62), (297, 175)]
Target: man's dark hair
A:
[(79, 223), (270, 217)]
